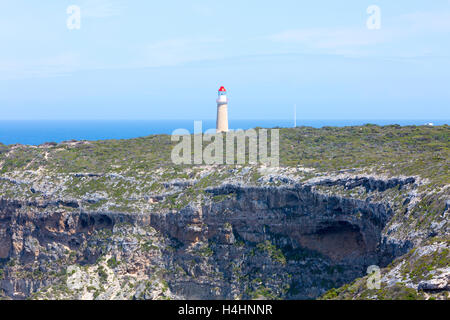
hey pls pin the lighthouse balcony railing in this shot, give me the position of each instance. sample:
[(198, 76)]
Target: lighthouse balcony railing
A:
[(219, 101)]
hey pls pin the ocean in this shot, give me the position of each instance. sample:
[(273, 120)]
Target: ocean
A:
[(35, 132)]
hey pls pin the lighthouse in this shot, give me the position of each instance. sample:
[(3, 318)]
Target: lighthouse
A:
[(222, 111)]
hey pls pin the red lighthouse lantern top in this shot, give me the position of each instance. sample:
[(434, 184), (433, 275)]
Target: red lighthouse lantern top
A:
[(222, 89)]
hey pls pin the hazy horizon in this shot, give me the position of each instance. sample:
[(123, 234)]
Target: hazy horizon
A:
[(35, 132)]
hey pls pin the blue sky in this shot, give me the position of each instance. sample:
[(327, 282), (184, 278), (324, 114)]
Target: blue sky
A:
[(166, 59)]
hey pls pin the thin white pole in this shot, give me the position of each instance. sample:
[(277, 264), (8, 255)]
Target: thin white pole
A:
[(295, 116)]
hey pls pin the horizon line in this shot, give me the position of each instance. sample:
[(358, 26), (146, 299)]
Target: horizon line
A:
[(244, 119)]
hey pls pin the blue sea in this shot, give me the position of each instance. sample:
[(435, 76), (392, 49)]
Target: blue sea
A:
[(35, 132)]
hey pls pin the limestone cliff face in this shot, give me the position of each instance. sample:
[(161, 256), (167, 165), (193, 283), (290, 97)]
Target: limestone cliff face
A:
[(293, 241), (323, 241)]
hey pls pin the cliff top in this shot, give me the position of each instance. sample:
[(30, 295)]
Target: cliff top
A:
[(408, 150)]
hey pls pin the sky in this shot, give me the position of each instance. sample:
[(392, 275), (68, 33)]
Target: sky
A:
[(166, 59)]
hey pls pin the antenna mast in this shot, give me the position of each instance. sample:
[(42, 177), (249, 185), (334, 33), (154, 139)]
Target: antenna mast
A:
[(295, 116)]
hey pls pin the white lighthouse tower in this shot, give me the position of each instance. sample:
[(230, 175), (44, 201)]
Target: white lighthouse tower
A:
[(222, 111)]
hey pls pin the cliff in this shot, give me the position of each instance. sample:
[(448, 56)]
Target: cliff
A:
[(115, 220)]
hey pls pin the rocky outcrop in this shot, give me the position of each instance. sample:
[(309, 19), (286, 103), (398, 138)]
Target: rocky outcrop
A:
[(438, 284), (370, 183), (232, 248)]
